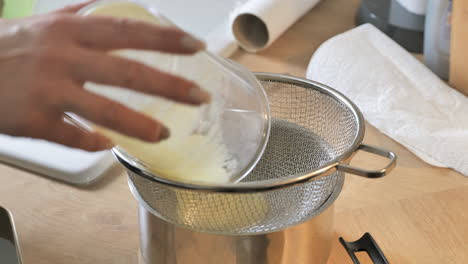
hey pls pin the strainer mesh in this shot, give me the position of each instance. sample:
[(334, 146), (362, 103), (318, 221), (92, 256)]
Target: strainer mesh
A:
[(309, 129)]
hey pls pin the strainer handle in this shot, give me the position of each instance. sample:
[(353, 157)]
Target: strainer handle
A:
[(371, 173)]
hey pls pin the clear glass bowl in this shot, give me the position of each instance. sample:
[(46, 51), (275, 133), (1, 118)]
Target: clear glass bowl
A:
[(216, 143)]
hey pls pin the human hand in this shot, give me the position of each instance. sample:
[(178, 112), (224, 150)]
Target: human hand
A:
[(46, 59)]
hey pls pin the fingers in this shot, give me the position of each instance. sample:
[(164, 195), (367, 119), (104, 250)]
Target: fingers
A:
[(74, 8), (66, 134), (115, 116), (116, 71), (106, 33)]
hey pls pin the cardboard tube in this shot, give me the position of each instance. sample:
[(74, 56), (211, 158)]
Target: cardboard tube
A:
[(259, 23)]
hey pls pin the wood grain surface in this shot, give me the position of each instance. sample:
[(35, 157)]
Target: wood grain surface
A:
[(417, 214)]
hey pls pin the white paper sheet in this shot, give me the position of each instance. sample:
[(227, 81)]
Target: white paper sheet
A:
[(397, 94)]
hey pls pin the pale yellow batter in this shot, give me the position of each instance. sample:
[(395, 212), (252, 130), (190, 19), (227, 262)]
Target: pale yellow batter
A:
[(122, 9), (184, 156)]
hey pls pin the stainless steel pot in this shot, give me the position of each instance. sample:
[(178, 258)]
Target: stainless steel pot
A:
[(165, 243), (311, 242)]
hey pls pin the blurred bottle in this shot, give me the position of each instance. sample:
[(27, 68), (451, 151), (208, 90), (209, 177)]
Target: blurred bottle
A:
[(401, 20), (437, 37)]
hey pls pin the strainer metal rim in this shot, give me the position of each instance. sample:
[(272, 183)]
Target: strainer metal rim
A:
[(271, 184)]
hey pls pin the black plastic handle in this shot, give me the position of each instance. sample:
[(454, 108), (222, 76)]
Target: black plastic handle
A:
[(365, 243)]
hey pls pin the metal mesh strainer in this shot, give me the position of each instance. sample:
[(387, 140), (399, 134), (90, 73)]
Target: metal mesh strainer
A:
[(315, 130)]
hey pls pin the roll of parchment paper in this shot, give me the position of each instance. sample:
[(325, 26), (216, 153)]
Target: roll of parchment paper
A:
[(258, 23)]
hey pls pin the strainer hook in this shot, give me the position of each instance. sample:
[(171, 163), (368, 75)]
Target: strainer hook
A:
[(371, 173)]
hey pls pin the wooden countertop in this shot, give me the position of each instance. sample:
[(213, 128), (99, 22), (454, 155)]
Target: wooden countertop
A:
[(417, 214)]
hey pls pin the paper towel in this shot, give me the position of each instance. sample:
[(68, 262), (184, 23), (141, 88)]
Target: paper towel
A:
[(258, 23), (397, 94)]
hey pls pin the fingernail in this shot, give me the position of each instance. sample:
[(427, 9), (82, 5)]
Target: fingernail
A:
[(108, 144), (164, 133), (192, 43), (198, 96)]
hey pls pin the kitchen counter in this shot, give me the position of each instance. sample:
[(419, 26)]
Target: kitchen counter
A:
[(417, 214)]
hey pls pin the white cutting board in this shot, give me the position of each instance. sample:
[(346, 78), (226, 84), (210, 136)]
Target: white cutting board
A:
[(207, 19), (62, 163)]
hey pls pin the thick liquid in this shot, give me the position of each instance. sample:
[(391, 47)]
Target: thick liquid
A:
[(184, 156), (126, 10)]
